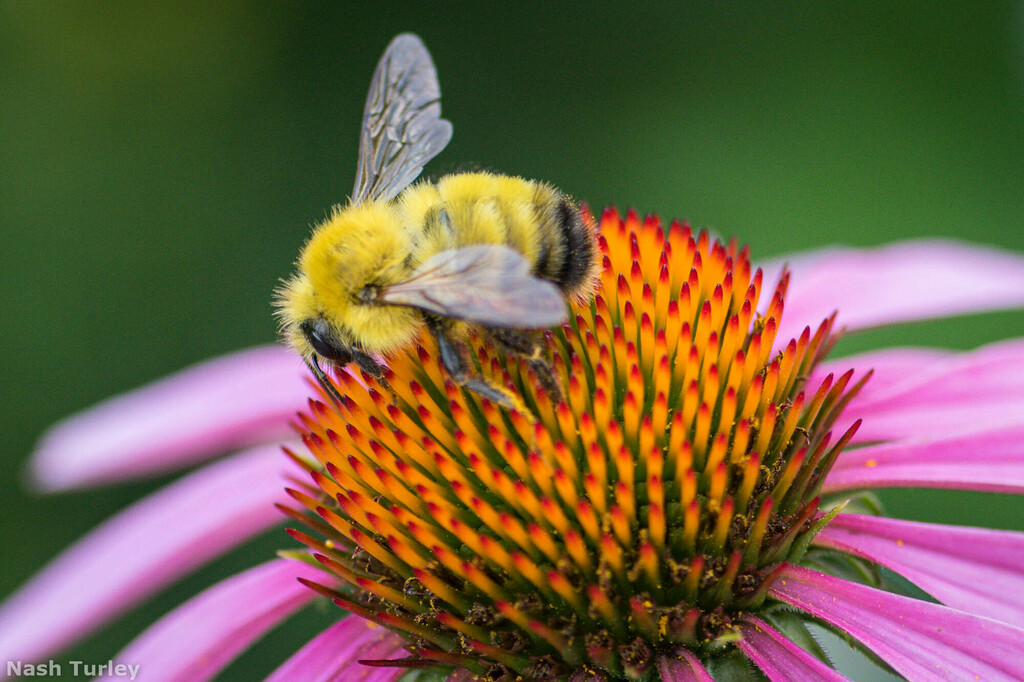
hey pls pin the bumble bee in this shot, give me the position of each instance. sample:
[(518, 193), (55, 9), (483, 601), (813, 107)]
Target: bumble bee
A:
[(471, 251)]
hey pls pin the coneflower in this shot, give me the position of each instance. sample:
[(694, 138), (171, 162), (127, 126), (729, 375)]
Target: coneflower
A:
[(698, 498)]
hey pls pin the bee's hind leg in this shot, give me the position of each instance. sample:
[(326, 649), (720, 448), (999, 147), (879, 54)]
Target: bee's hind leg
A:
[(531, 348), (457, 365)]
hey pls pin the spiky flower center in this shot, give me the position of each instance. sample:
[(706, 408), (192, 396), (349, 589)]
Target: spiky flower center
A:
[(639, 515)]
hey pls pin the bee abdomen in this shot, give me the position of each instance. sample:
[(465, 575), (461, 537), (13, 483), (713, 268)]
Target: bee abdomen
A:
[(569, 254)]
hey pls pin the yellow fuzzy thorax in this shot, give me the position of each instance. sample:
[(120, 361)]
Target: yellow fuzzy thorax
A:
[(487, 208)]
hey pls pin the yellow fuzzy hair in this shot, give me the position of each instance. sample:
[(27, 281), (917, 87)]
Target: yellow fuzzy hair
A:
[(378, 244), (356, 247)]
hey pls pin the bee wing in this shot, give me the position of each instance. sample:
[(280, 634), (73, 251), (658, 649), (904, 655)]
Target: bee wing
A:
[(402, 124), (487, 284)]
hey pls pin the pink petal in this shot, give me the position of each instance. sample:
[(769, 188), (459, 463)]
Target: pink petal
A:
[(142, 549), (779, 658), (683, 667), (230, 402), (890, 367), (899, 283), (990, 460), (335, 654), (921, 640), (196, 640), (969, 391), (971, 569)]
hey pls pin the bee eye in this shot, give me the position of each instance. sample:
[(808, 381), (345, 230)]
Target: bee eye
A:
[(323, 342)]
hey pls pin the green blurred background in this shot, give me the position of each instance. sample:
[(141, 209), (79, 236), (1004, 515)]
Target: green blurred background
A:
[(161, 165)]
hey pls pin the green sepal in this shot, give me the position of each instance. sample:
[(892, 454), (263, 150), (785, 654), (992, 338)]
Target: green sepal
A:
[(891, 581), (857, 646), (734, 667), (842, 565), (793, 624)]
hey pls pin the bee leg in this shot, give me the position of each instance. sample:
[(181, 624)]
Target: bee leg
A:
[(376, 371), (456, 364), (546, 378), (493, 393), (324, 381), (530, 348)]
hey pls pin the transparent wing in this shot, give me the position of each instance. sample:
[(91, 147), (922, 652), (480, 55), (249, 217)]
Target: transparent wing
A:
[(402, 124), (487, 284)]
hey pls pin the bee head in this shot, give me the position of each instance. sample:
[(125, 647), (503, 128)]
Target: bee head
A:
[(330, 305), (324, 343)]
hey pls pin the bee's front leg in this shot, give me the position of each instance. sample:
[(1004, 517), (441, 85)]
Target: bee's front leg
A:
[(454, 359), (375, 370), (324, 380), (531, 348)]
